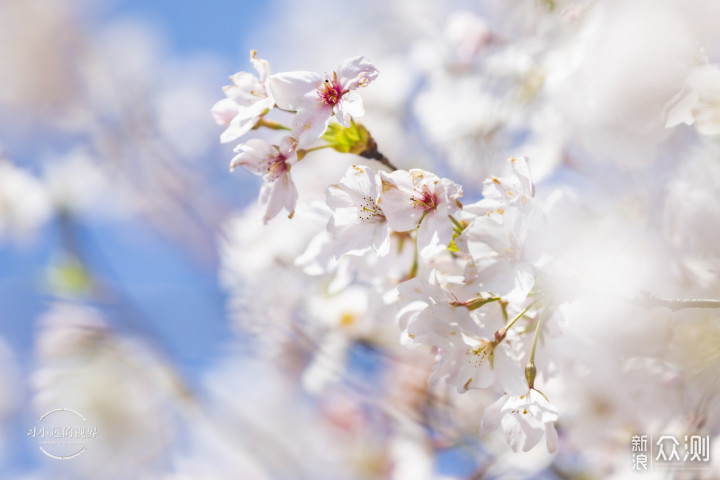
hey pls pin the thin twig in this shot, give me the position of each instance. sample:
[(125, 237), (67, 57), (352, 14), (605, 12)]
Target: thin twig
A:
[(647, 299)]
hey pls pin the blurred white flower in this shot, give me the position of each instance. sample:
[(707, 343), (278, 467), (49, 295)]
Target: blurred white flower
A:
[(24, 204), (118, 384), (524, 419), (698, 102)]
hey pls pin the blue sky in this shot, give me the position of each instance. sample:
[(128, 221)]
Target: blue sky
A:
[(218, 26), (162, 291)]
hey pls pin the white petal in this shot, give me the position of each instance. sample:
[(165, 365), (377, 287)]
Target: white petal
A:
[(524, 282), (381, 239), (244, 120), (350, 106), (310, 123), (542, 409), (252, 155), (395, 199), (680, 108), (511, 374), (434, 234), (274, 196), (317, 257), (261, 66), (352, 239), (520, 433), (288, 89), (521, 167), (337, 197), (244, 89), (551, 437), (224, 111), (358, 183), (355, 72), (491, 416)]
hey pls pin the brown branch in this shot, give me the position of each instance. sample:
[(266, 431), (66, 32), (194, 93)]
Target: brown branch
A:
[(372, 152)]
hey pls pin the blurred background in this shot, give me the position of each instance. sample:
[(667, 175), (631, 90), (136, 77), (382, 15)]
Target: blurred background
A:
[(139, 287)]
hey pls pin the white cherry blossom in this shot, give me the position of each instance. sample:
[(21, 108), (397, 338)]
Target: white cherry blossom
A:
[(473, 358), (498, 193), (248, 99), (418, 197), (273, 163), (317, 97), (524, 420), (358, 224), (504, 252)]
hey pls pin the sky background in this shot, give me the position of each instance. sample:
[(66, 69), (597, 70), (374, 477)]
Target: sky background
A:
[(160, 289), (178, 298)]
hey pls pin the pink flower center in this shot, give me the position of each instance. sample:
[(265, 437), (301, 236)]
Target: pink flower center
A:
[(330, 91), (426, 200), (275, 167)]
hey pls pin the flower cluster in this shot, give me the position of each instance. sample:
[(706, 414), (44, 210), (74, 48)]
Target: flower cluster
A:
[(312, 97), (469, 291)]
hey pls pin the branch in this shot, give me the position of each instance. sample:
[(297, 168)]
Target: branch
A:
[(646, 299), (372, 152)]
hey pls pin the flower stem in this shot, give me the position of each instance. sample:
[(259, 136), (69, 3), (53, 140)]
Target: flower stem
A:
[(308, 150), (500, 334), (414, 267), (285, 109), (270, 124), (458, 226), (475, 303), (530, 370)]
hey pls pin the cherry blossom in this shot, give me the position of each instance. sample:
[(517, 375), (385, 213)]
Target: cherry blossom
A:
[(358, 224), (248, 99), (419, 198), (498, 193), (504, 252), (474, 358), (524, 420), (273, 163), (426, 314), (317, 97)]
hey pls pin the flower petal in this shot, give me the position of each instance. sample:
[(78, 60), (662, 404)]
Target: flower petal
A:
[(224, 111), (288, 89), (356, 72), (349, 106), (253, 155), (276, 195), (520, 433), (310, 123), (261, 66)]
